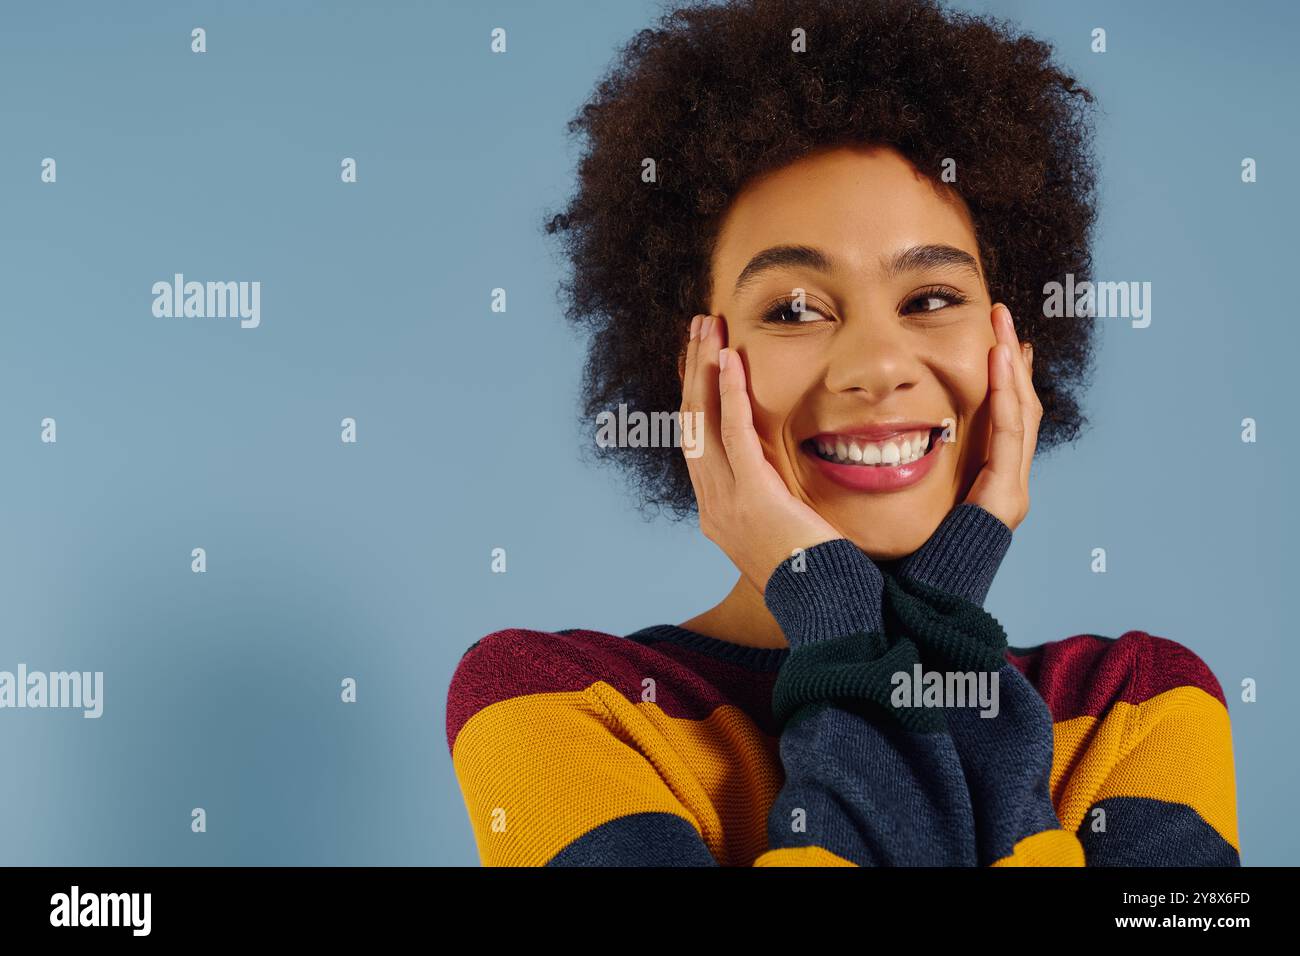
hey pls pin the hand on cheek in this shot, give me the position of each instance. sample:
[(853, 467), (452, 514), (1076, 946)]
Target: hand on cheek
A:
[(745, 507), (1002, 486)]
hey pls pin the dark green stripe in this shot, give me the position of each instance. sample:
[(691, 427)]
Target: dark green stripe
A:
[(923, 624)]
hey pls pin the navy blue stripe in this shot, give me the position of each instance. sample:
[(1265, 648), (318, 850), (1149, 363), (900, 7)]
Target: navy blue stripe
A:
[(639, 839), (1141, 831)]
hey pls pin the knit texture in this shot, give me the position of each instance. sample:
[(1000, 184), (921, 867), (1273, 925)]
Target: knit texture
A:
[(671, 748)]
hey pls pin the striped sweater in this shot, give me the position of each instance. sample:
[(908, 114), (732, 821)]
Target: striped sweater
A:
[(854, 746)]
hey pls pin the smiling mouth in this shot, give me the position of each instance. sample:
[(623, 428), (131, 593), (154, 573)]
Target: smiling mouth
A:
[(902, 449)]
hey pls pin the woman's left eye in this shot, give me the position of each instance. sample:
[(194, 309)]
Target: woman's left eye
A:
[(934, 300), (785, 313)]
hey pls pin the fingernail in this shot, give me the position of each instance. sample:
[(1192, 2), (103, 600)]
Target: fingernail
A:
[(706, 327), (722, 358), (695, 326)]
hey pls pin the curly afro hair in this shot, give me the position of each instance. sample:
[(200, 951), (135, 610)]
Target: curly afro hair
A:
[(715, 95)]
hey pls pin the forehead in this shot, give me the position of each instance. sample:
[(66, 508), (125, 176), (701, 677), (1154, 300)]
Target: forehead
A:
[(858, 203)]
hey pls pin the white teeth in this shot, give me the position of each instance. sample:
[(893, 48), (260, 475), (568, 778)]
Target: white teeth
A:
[(856, 451)]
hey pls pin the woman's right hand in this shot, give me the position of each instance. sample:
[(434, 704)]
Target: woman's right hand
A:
[(745, 507)]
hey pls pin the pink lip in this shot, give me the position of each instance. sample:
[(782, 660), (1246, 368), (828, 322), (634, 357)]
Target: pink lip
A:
[(875, 477)]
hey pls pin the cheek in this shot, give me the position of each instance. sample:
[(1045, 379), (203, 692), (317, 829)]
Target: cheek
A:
[(970, 387), (966, 371), (777, 384)]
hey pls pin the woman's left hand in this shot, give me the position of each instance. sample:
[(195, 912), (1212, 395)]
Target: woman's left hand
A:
[(1002, 487)]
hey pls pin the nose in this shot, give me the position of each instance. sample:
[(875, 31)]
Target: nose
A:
[(871, 353)]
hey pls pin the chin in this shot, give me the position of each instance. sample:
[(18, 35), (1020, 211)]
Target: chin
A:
[(891, 525), (888, 550), (886, 541)]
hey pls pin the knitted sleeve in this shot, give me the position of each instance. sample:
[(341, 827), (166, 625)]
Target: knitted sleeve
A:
[(1143, 771), (1142, 720), (1003, 737), (1170, 797), (870, 780), (910, 739)]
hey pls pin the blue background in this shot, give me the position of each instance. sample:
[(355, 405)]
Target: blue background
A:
[(328, 560)]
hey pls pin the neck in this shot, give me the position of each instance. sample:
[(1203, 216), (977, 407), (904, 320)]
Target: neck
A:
[(740, 618)]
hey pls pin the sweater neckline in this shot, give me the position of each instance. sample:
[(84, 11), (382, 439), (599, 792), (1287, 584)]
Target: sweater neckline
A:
[(755, 658)]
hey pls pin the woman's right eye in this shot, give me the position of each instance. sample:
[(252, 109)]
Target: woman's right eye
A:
[(785, 312)]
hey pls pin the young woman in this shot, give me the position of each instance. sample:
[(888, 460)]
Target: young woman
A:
[(824, 227)]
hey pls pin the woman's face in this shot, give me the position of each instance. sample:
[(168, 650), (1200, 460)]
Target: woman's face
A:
[(891, 341)]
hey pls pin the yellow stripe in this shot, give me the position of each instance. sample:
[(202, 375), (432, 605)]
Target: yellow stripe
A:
[(540, 770), (1048, 848), (802, 856), (1085, 750), (1175, 747)]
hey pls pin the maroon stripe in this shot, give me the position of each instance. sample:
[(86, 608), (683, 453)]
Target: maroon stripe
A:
[(1082, 676), (515, 662), (1078, 676)]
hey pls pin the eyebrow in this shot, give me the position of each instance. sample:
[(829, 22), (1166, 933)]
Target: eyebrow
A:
[(911, 259), (935, 256)]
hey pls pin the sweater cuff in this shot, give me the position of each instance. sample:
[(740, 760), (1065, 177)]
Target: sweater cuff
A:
[(962, 555), (839, 592)]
